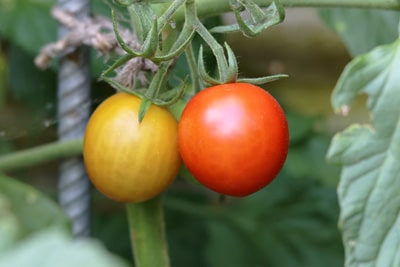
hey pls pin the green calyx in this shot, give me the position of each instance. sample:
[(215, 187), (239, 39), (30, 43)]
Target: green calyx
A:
[(229, 73), (154, 94), (149, 29)]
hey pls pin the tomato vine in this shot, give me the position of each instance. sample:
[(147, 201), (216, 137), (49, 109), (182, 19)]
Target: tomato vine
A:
[(152, 22)]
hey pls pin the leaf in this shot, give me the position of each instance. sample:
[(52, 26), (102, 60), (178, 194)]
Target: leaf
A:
[(10, 231), (28, 23), (37, 89), (187, 234), (362, 29), (370, 154), (110, 224), (306, 160), (35, 232), (300, 127), (290, 223), (54, 247), (32, 209), (261, 19), (3, 79)]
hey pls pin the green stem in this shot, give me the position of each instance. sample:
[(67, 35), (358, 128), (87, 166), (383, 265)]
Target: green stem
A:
[(142, 16), (217, 50), (385, 4), (208, 8), (167, 14), (147, 232), (158, 80), (194, 209), (194, 72), (41, 154)]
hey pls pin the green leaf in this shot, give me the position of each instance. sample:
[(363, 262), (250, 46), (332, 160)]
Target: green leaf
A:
[(177, 108), (143, 108), (32, 209), (362, 29), (54, 247), (27, 23), (290, 223), (306, 160), (261, 19), (108, 225), (35, 232), (370, 154), (300, 127), (31, 86), (10, 230), (3, 79), (187, 234)]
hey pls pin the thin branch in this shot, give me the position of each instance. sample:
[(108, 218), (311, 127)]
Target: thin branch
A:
[(41, 154), (147, 232), (209, 8)]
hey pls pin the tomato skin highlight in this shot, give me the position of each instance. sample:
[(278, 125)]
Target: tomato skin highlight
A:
[(128, 161), (233, 138)]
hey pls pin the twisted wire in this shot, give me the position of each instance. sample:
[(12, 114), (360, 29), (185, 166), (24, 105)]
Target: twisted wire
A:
[(73, 112)]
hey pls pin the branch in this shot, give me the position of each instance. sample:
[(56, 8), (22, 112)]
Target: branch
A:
[(208, 8), (147, 232), (378, 4), (40, 154)]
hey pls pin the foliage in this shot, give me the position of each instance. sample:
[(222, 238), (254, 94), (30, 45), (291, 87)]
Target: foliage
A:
[(16, 15), (293, 220), (275, 226), (370, 155), (362, 29), (61, 249), (19, 203), (32, 225)]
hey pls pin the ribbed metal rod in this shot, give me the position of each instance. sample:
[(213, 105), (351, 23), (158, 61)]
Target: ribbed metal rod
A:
[(73, 113)]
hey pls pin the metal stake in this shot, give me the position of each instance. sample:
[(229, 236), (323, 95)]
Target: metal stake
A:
[(73, 113)]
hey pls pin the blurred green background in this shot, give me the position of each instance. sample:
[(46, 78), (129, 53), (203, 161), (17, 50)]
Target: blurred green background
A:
[(292, 222)]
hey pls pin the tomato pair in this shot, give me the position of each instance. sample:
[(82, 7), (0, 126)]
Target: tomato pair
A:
[(233, 138)]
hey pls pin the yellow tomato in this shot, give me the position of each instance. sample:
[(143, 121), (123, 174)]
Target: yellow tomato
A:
[(126, 160)]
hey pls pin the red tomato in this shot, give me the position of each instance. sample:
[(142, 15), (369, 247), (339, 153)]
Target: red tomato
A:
[(233, 138)]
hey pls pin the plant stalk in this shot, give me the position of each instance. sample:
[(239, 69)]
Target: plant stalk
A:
[(147, 232), (194, 73), (41, 154), (209, 8)]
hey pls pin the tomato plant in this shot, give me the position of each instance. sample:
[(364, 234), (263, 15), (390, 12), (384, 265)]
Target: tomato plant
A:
[(233, 138), (126, 160), (234, 142)]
